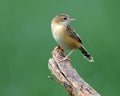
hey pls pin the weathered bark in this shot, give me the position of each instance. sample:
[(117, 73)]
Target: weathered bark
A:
[(67, 76)]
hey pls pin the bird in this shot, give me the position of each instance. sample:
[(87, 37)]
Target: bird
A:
[(66, 36)]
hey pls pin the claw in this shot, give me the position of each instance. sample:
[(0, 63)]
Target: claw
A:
[(65, 58)]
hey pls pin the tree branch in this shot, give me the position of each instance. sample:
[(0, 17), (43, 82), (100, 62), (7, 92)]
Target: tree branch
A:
[(67, 76)]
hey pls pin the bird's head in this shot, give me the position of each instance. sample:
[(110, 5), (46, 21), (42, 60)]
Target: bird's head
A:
[(62, 19)]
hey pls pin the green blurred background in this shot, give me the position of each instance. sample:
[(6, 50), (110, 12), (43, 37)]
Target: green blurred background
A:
[(26, 44)]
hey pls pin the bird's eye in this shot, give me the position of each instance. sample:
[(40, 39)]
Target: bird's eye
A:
[(65, 18)]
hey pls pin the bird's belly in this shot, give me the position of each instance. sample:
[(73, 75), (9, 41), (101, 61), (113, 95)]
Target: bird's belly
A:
[(60, 40), (66, 41)]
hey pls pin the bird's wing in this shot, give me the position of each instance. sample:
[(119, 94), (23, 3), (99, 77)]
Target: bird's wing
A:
[(70, 32)]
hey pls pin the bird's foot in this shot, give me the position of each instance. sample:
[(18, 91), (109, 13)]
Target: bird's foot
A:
[(63, 59)]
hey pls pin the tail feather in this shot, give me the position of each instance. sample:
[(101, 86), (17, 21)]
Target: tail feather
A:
[(86, 54)]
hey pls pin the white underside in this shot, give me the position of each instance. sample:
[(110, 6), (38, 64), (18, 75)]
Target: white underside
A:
[(56, 32)]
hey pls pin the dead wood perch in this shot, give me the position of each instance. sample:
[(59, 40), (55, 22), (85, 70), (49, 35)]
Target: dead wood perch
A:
[(67, 76)]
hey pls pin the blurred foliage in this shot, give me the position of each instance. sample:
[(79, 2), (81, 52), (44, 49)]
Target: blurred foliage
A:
[(26, 44)]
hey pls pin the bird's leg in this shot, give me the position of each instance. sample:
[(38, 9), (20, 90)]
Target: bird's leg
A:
[(66, 57), (69, 53)]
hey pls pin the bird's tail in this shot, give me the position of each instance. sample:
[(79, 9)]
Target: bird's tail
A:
[(86, 54)]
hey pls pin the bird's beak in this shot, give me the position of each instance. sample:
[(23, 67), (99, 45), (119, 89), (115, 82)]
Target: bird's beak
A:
[(72, 19)]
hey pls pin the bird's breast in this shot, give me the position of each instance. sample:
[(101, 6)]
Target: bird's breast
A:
[(58, 34), (63, 39)]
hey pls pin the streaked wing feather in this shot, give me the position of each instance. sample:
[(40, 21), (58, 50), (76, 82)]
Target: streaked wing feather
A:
[(70, 32)]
